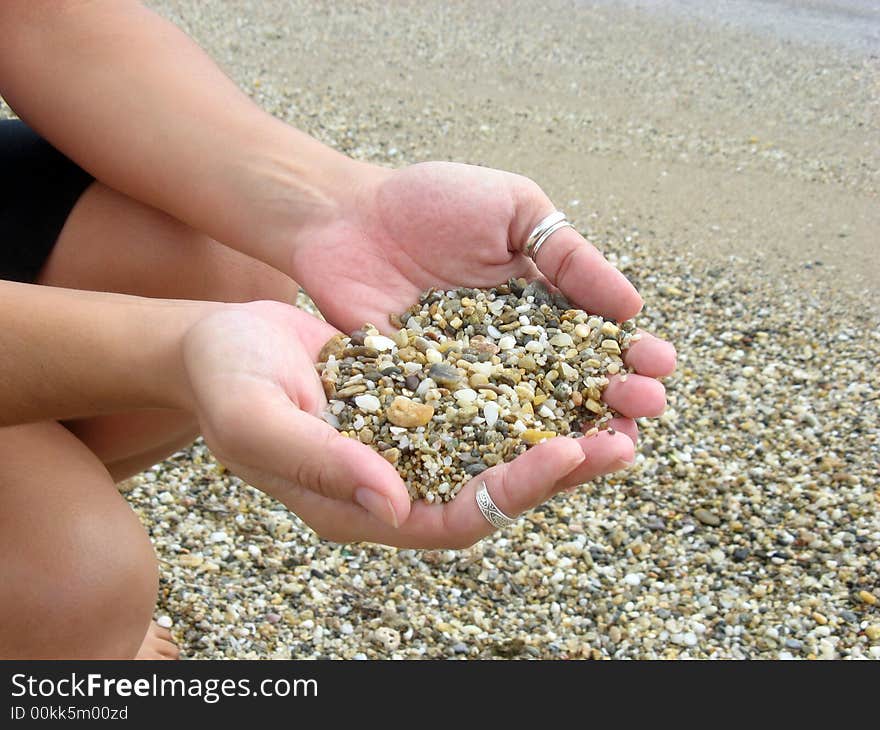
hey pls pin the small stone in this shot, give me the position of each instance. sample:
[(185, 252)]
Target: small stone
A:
[(408, 413), (334, 346), (391, 455), (365, 436), (534, 436), (491, 411), (387, 638), (707, 517), (563, 339), (611, 346), (368, 403), (609, 329), (379, 342), (434, 356), (164, 621), (191, 561), (819, 618), (873, 632), (445, 375), (506, 343), (465, 395), (867, 597)]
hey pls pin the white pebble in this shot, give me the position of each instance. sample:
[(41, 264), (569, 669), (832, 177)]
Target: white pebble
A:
[(346, 629), (563, 339), (465, 395), (534, 346), (433, 356), (379, 342), (506, 343), (254, 551), (425, 386), (367, 402), (164, 621), (632, 579), (494, 332), (218, 536), (491, 411)]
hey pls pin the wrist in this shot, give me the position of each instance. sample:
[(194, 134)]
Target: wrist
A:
[(164, 326), (290, 190)]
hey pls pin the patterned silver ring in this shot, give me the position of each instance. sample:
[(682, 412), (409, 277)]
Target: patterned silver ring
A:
[(489, 509), (541, 232)]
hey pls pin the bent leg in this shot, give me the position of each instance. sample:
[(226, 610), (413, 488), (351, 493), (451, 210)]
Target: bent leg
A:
[(78, 571)]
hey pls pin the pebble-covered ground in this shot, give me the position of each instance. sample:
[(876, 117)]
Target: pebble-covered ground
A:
[(733, 175)]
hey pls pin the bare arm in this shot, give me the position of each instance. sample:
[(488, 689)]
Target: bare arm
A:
[(70, 354), (133, 100)]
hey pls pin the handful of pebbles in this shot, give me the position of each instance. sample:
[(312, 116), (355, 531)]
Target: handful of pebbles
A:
[(472, 377)]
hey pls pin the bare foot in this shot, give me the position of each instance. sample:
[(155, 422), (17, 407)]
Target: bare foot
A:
[(158, 644)]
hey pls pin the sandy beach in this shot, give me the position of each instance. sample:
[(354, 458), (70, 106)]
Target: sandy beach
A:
[(727, 157)]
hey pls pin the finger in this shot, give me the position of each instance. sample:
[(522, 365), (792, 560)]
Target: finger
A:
[(586, 278), (308, 452), (635, 396), (626, 426), (650, 356), (606, 452), (515, 486)]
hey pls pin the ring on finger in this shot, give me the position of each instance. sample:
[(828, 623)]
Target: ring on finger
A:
[(494, 516), (546, 227)]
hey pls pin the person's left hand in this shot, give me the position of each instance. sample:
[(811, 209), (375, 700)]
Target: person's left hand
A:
[(440, 224)]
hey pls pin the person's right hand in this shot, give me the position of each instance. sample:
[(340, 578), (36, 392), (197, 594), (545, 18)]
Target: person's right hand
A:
[(253, 387)]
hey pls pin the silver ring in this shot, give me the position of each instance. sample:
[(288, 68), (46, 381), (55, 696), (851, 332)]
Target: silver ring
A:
[(541, 232), (490, 511)]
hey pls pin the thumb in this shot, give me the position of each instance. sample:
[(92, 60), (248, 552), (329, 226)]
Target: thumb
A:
[(571, 263), (297, 448)]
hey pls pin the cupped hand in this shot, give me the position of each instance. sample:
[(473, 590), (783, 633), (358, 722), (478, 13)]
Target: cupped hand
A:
[(441, 224), (258, 399)]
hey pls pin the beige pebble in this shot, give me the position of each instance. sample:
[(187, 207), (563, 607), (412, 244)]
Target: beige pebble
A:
[(408, 413)]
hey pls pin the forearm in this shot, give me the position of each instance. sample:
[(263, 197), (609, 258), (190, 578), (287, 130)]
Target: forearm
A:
[(73, 354), (139, 105)]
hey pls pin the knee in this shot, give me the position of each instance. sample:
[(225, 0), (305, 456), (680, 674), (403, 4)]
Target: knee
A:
[(92, 599)]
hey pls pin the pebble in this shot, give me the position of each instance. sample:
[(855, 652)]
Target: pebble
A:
[(368, 403), (707, 517), (408, 413), (164, 621), (379, 342), (387, 638), (491, 411)]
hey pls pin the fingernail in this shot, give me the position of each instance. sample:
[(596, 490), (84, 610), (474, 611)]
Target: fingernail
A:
[(623, 464), (377, 505)]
